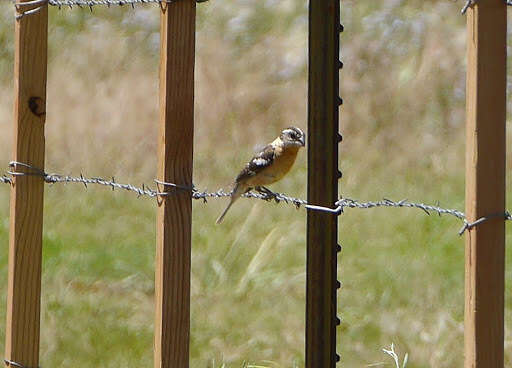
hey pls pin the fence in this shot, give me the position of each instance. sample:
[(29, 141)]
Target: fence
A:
[(485, 182)]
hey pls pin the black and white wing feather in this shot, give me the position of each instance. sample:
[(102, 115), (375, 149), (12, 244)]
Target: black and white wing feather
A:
[(259, 162)]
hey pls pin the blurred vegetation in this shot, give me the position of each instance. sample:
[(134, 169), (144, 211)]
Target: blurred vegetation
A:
[(403, 124)]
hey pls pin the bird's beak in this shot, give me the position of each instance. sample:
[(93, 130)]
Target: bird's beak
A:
[(303, 141)]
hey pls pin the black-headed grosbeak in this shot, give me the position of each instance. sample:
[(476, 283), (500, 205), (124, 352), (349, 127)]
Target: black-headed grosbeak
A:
[(268, 166)]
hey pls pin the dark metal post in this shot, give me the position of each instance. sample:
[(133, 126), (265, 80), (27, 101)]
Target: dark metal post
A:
[(323, 175)]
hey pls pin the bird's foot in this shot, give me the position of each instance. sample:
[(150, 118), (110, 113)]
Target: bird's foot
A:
[(269, 195)]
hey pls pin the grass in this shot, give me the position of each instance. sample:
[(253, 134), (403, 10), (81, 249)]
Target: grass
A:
[(402, 272)]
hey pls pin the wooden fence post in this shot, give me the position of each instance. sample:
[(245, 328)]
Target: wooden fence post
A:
[(26, 205), (323, 175), (175, 152), (485, 183)]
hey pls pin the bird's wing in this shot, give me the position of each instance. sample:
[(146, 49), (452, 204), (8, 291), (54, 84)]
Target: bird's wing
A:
[(259, 162)]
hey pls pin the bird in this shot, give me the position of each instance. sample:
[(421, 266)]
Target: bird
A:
[(269, 165)]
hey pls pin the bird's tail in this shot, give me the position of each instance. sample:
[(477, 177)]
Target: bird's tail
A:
[(237, 192)]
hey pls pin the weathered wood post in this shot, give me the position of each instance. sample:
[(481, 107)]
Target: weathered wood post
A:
[(323, 175), (174, 218), (485, 183), (26, 206)]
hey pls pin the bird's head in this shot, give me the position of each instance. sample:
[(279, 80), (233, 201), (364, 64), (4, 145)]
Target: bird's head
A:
[(293, 136)]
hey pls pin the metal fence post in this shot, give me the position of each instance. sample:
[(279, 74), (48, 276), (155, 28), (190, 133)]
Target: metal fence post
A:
[(323, 175)]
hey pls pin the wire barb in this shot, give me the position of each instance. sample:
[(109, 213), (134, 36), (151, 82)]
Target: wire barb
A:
[(466, 6), (11, 363), (5, 180), (469, 225)]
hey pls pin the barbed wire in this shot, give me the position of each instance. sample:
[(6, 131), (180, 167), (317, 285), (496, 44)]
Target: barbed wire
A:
[(163, 189), (108, 3), (428, 209), (142, 190), (39, 4), (34, 6)]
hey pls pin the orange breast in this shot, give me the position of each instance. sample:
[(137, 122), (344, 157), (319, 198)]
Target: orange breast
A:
[(280, 167)]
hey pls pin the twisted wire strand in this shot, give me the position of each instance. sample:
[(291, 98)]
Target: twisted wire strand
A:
[(351, 203), (163, 189), (15, 168), (92, 3), (22, 11), (60, 3)]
